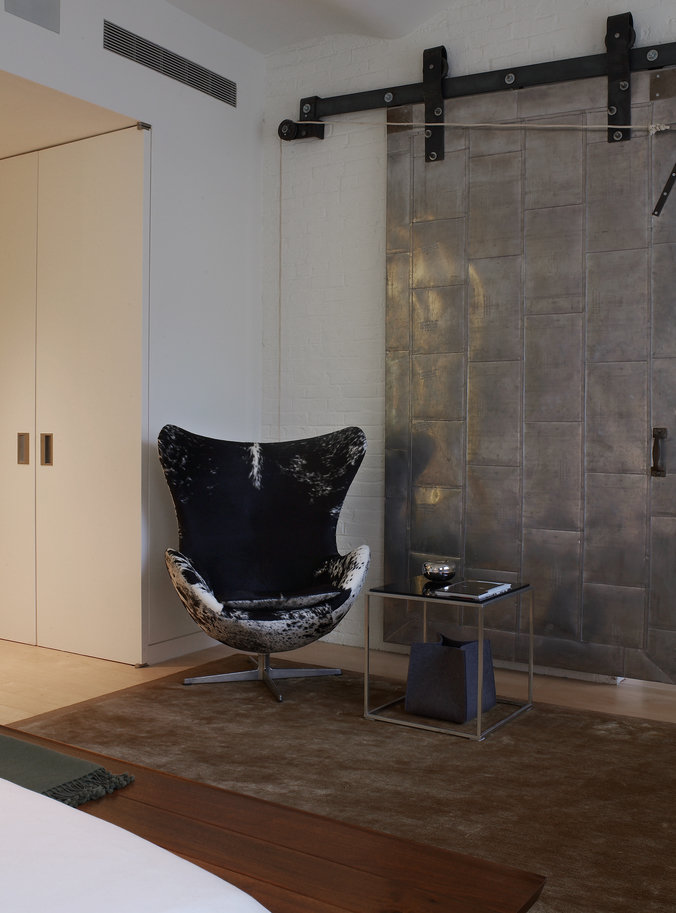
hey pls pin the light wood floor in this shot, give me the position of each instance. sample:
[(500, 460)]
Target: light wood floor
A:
[(35, 680)]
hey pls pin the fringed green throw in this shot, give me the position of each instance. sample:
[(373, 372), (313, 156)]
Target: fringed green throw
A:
[(59, 776)]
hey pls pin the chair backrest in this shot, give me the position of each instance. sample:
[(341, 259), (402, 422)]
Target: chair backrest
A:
[(258, 518)]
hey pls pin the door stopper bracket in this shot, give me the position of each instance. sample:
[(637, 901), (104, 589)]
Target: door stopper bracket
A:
[(306, 126)]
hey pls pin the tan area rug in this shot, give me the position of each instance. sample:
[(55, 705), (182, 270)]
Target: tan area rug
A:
[(585, 799)]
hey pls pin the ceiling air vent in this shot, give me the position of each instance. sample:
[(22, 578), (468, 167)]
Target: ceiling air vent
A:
[(145, 52)]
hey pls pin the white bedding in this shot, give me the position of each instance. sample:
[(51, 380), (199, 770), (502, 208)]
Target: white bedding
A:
[(57, 859)]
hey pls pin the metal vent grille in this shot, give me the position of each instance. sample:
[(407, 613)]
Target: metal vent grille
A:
[(132, 46)]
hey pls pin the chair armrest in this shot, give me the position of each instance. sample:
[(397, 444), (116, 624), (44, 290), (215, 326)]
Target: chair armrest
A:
[(347, 572), (193, 589)]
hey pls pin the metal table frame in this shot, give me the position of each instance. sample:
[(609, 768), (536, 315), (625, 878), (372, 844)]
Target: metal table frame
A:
[(396, 592)]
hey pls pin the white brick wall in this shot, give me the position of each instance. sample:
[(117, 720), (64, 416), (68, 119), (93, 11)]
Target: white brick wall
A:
[(324, 305)]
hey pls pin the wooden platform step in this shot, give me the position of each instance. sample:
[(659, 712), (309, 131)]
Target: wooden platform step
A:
[(298, 862)]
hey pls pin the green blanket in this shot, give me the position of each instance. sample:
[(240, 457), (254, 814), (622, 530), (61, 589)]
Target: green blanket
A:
[(59, 776)]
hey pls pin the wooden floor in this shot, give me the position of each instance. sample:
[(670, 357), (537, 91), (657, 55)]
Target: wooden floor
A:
[(297, 862)]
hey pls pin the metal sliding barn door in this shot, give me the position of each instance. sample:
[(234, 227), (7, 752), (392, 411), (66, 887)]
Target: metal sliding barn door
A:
[(531, 350)]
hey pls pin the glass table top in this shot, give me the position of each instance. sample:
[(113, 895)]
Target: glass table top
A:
[(422, 588)]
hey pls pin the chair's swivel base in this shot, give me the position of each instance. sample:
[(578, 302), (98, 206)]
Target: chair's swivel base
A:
[(263, 673)]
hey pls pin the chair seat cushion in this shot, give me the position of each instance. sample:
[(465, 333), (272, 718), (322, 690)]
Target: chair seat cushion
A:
[(303, 599)]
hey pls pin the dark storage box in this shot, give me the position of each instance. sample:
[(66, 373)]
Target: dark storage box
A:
[(442, 680)]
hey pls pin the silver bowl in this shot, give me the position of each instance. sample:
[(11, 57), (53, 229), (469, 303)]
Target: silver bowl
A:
[(438, 570)]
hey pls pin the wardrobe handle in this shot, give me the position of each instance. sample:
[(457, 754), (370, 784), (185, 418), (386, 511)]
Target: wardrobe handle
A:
[(46, 449), (23, 454)]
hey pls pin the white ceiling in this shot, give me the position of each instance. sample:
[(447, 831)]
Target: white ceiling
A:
[(270, 25)]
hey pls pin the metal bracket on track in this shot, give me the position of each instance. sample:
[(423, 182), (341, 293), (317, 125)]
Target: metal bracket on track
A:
[(435, 68), (430, 91), (620, 39)]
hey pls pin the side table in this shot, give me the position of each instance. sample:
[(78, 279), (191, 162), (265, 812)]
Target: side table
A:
[(416, 591)]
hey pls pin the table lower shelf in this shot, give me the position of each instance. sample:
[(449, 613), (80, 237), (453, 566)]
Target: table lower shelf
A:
[(491, 720)]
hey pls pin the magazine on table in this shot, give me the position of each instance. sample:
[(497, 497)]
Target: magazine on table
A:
[(472, 590)]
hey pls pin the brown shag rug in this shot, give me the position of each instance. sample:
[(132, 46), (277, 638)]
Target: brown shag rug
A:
[(587, 800)]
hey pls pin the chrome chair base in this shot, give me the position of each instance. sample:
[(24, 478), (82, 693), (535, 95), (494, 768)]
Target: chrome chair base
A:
[(264, 673)]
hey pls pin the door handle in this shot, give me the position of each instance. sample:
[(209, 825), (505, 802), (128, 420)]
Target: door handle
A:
[(46, 449), (23, 454), (658, 468)]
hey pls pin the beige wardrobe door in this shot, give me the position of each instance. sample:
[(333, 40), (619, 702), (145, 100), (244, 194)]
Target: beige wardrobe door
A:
[(89, 396), (18, 206)]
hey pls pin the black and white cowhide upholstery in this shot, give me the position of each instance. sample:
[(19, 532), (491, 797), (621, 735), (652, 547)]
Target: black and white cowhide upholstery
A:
[(258, 567)]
